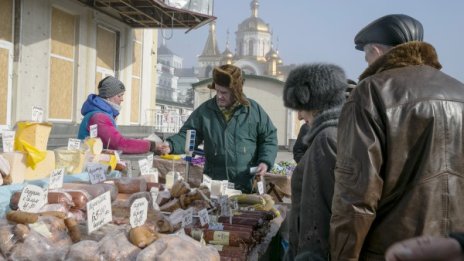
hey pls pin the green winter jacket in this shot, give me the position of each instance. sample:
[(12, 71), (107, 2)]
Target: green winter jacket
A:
[(248, 139)]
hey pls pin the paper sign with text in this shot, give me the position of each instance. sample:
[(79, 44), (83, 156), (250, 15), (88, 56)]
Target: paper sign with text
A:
[(99, 212), (187, 219), (207, 181), (56, 179), (93, 129), (150, 160), (74, 144), (144, 168), (154, 191), (8, 140), (32, 199), (261, 187), (37, 113), (204, 217), (138, 212), (96, 172)]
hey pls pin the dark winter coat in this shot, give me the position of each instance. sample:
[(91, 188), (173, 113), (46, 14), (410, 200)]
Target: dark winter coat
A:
[(400, 160), (299, 148), (312, 189), (231, 148)]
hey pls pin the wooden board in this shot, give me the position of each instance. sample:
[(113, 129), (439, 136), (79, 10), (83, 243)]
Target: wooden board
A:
[(61, 89), (135, 101), (6, 20), (138, 35), (137, 60), (106, 48), (63, 33), (3, 85)]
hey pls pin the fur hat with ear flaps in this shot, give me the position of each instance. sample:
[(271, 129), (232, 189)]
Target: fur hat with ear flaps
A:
[(315, 87), (232, 77)]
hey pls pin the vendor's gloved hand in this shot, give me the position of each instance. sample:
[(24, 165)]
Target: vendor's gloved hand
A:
[(262, 169), (160, 148)]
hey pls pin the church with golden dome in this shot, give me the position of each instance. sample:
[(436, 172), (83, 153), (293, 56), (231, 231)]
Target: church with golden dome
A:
[(254, 51)]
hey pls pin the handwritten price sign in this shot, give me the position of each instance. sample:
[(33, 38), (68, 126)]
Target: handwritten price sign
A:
[(99, 212), (32, 199)]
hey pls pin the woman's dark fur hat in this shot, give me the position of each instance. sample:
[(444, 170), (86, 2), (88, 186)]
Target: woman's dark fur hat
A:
[(315, 87)]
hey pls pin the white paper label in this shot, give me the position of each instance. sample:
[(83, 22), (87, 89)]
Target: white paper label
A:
[(8, 140), (224, 185), (150, 161), (37, 113), (230, 185), (96, 172), (93, 131), (204, 217), (74, 144), (138, 212), (154, 195), (188, 217), (144, 168), (261, 187), (32, 199), (56, 179), (224, 203), (176, 216), (99, 212), (207, 181)]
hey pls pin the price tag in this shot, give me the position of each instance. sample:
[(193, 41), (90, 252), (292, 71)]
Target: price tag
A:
[(176, 216), (138, 212), (224, 203), (216, 226), (221, 237), (45, 190), (230, 185), (8, 140), (144, 167), (56, 179), (224, 185), (207, 181), (188, 217), (154, 191), (93, 131), (99, 212), (261, 187), (74, 144), (32, 199), (204, 217), (37, 113), (96, 172), (150, 161)]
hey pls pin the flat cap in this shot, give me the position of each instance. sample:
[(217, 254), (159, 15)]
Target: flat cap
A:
[(390, 30)]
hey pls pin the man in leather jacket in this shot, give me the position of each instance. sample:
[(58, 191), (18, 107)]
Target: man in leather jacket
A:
[(400, 159)]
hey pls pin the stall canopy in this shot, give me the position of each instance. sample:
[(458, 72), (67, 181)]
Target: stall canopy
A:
[(152, 13)]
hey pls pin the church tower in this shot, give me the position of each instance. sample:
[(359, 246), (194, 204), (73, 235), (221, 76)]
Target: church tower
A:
[(210, 57)]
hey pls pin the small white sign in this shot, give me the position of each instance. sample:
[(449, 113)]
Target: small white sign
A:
[(8, 140), (187, 219), (99, 212), (56, 179), (204, 217), (207, 181), (37, 113), (32, 199), (150, 161), (74, 144), (138, 212), (224, 203), (224, 185), (45, 190), (154, 195), (231, 185), (144, 167), (96, 172), (93, 131), (176, 216), (261, 187)]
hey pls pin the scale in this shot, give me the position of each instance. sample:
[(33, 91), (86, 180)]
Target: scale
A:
[(189, 149)]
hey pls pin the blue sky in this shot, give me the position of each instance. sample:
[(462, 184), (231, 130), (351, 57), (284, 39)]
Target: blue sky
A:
[(323, 30)]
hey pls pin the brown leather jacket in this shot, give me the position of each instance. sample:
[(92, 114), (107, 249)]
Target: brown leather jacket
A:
[(400, 161)]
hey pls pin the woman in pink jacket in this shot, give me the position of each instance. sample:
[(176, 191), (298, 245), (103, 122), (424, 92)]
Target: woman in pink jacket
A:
[(102, 110)]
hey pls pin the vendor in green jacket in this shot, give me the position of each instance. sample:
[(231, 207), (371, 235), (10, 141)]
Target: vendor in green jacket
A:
[(236, 131)]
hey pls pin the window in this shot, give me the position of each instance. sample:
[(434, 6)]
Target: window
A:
[(136, 75), (6, 60), (62, 61), (107, 54)]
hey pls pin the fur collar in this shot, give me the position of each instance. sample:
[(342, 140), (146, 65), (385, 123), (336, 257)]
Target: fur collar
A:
[(328, 118), (410, 53)]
